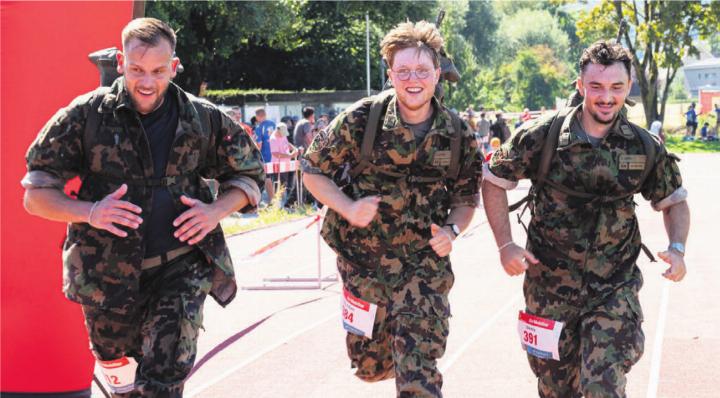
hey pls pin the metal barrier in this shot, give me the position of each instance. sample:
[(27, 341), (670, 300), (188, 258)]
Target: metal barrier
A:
[(310, 283), (286, 167)]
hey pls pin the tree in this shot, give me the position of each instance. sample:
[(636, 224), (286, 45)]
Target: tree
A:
[(333, 49), (537, 78), (481, 25), (210, 33), (660, 35), (287, 44), (529, 28)]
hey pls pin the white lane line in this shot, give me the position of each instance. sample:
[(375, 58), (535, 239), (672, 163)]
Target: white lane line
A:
[(483, 327), (259, 354), (658, 343)]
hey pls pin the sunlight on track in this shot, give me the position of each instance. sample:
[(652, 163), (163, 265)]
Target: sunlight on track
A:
[(657, 344), (446, 364), (194, 392)]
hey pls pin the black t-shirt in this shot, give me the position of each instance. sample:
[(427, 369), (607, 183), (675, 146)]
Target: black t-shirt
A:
[(160, 126), (421, 129)]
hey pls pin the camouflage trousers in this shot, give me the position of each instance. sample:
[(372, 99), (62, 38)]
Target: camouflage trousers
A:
[(161, 332), (411, 325), (599, 344)]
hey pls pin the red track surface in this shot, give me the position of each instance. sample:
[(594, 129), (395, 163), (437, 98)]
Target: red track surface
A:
[(300, 352)]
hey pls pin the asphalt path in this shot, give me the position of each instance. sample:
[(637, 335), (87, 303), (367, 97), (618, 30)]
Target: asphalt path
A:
[(290, 343)]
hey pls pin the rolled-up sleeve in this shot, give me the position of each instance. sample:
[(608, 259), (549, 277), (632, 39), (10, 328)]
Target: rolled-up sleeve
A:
[(239, 162), (518, 158), (56, 154), (663, 187)]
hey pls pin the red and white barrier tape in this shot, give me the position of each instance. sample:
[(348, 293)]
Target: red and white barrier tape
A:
[(281, 167), (277, 242)]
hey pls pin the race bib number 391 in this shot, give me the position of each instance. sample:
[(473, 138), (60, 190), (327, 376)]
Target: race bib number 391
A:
[(358, 316), (539, 336)]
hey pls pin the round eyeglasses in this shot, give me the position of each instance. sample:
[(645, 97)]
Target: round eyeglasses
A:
[(404, 74)]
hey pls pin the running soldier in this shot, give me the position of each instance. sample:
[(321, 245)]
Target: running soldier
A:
[(583, 238), (395, 209), (144, 247)]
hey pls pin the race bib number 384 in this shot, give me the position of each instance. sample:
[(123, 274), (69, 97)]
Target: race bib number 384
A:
[(358, 316), (539, 336)]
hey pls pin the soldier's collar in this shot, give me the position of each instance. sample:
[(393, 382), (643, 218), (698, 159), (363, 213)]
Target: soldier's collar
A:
[(392, 116), (567, 137)]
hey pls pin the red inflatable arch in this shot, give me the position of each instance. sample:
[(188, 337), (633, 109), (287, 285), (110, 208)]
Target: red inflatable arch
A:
[(43, 66)]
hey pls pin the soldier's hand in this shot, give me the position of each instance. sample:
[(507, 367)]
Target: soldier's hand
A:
[(514, 259), (109, 211), (441, 240), (196, 222), (677, 270), (362, 211)]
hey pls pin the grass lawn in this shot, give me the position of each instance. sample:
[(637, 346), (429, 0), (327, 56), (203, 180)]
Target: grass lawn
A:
[(266, 216), (674, 143)]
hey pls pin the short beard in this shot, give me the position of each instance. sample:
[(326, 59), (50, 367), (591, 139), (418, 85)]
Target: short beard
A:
[(605, 122)]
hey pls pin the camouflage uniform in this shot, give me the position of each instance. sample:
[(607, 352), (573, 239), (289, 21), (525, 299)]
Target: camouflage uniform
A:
[(587, 276), (390, 262), (102, 271)]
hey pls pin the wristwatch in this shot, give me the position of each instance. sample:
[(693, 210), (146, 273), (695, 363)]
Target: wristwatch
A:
[(677, 247), (455, 229)]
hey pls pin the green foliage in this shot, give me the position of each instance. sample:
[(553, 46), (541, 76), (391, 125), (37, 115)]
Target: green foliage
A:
[(481, 24), (295, 45), (678, 93), (538, 77), (288, 44), (210, 33), (529, 28), (222, 95), (518, 64)]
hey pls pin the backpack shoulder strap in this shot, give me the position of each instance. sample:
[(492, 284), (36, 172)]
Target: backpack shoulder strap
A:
[(650, 150), (550, 145), (546, 155), (92, 122), (455, 146), (210, 121), (371, 126)]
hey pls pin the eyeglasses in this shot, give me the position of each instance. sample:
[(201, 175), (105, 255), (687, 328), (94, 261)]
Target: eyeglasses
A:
[(404, 74)]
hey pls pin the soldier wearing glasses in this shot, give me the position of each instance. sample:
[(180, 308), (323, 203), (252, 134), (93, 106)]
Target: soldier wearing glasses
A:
[(393, 223)]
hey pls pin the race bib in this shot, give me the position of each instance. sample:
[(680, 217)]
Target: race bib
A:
[(119, 374), (539, 336), (358, 316)]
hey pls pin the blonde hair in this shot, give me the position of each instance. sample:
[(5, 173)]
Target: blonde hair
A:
[(423, 35), (495, 143), (282, 127)]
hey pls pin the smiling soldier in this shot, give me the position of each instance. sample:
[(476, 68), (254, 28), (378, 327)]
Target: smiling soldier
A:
[(144, 247), (581, 326), (399, 173)]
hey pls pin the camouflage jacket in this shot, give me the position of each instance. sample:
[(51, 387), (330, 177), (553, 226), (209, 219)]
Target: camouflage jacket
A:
[(586, 246), (407, 207), (100, 268)]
